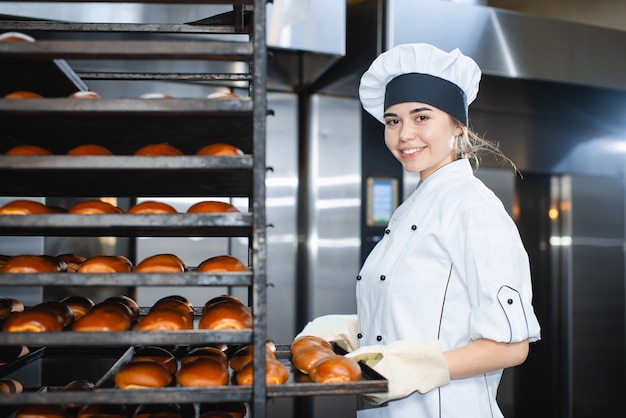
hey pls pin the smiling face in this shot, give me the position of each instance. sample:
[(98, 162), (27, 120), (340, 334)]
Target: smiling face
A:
[(420, 136)]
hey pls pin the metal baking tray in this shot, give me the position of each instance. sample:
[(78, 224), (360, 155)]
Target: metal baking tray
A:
[(297, 385), (129, 225)]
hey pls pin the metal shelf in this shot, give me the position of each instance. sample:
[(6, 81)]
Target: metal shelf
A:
[(129, 225), (126, 279)]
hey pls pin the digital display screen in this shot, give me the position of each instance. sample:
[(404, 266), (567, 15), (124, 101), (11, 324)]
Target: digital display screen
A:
[(382, 199)]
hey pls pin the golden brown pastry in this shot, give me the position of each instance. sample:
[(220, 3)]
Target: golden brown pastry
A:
[(72, 261), (28, 150), (79, 305), (127, 301), (164, 320), (83, 94), (306, 357), (142, 375), (203, 372), (161, 263), (62, 311), (226, 315), (176, 303), (221, 264), (218, 299), (25, 207), (89, 149), (94, 207), (152, 207), (159, 150), (23, 94), (335, 369), (276, 373), (32, 320), (205, 352), (212, 206), (8, 385), (157, 354), (105, 317), (220, 149), (40, 411), (28, 263), (16, 37), (9, 305), (244, 355), (307, 340), (104, 264)]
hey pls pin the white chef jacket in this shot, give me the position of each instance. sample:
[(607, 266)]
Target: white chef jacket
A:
[(450, 267)]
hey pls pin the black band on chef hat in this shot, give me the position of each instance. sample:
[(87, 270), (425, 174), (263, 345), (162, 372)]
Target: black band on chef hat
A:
[(426, 88)]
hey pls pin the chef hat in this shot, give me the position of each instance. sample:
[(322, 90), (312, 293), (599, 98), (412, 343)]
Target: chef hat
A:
[(420, 73)]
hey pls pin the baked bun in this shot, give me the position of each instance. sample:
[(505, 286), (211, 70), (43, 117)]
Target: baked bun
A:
[(62, 311), (23, 94), (79, 305), (305, 357), (89, 149), (151, 207), (127, 301), (218, 299), (226, 315), (94, 207), (335, 369), (9, 305), (8, 385), (220, 149), (233, 409), (25, 207), (156, 95), (72, 261), (161, 263), (175, 304), (223, 95), (10, 353), (212, 206), (221, 264), (105, 317), (143, 375), (164, 320), (104, 264), (308, 340), (28, 150), (102, 411), (16, 37), (244, 355), (157, 354), (276, 373), (33, 320), (27, 263), (159, 149), (40, 411), (203, 372), (205, 352), (83, 94)]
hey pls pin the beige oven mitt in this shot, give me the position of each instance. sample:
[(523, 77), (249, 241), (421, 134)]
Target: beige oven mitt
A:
[(341, 329), (407, 366)]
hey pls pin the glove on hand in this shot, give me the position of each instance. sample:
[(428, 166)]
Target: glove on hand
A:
[(408, 367), (341, 329)]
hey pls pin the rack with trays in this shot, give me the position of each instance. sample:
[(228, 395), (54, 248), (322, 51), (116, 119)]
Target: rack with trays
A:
[(125, 125)]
